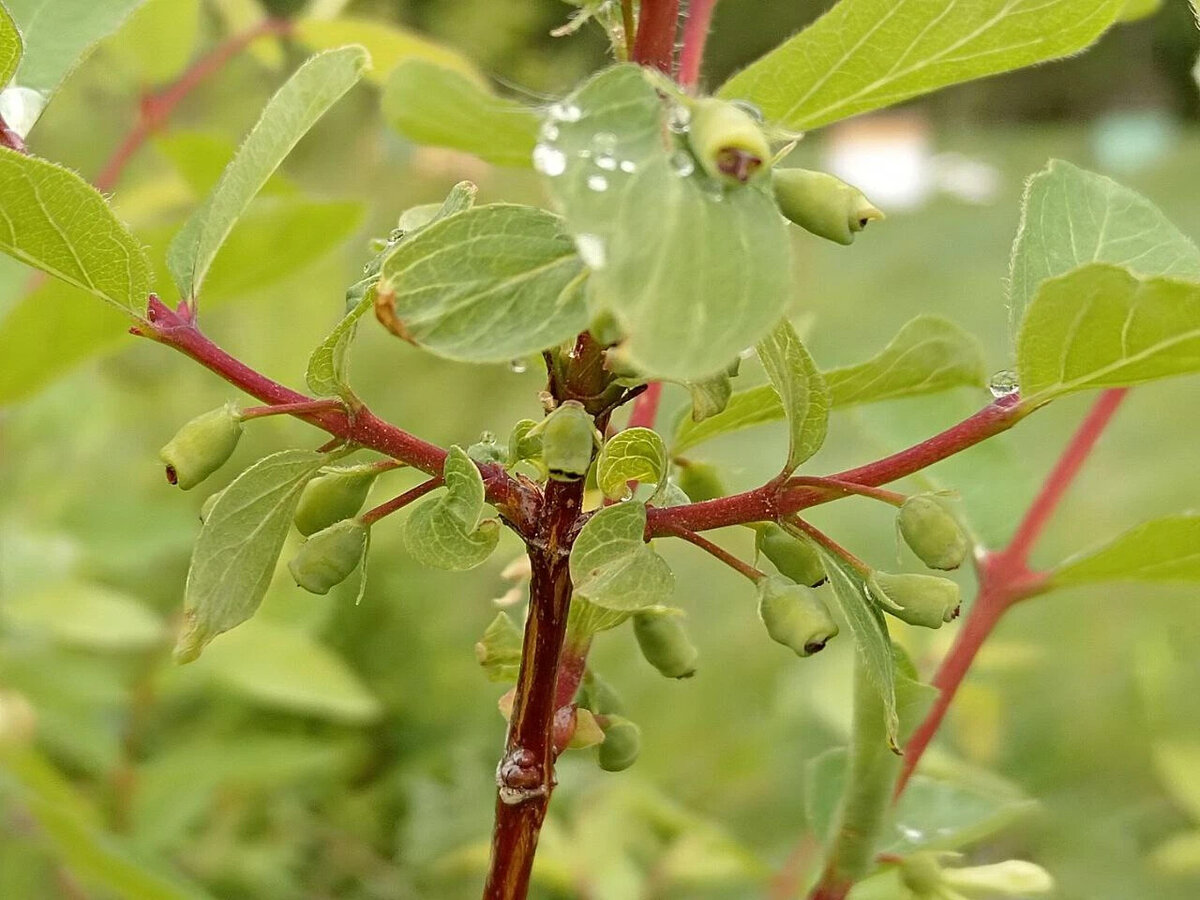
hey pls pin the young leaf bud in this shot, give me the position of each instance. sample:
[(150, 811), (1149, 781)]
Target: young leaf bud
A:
[(795, 558), (932, 532), (727, 141), (925, 600), (329, 556), (568, 439), (1012, 878), (795, 616), (202, 446), (621, 745), (665, 643), (334, 496), (822, 204), (700, 481)]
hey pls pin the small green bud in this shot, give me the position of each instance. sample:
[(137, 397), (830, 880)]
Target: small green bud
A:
[(568, 440), (795, 616), (665, 643), (1012, 878), (336, 495), (921, 874), (621, 745), (932, 533), (599, 696), (795, 558), (925, 600), (727, 141), (329, 556), (822, 204), (202, 446), (699, 481)]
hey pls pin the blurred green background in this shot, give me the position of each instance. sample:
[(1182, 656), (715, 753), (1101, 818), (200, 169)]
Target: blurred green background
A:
[(332, 750)]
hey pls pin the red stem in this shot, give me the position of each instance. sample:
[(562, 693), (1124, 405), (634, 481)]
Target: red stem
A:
[(399, 502), (645, 407), (655, 43), (291, 409), (695, 35), (742, 568)]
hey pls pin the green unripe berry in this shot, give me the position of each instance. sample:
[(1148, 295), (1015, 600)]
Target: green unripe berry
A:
[(822, 204), (795, 616), (727, 141), (599, 696), (334, 496), (932, 533), (925, 600), (665, 643), (795, 558), (621, 746), (202, 446), (329, 556), (568, 439), (700, 481)]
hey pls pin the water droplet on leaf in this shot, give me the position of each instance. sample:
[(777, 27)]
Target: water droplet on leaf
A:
[(549, 132), (591, 250), (749, 109), (1004, 384), (549, 160), (518, 366), (597, 183), (679, 118), (682, 163), (628, 166), (565, 112)]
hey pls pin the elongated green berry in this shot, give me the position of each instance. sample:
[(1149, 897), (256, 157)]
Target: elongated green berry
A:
[(329, 556), (727, 141), (621, 745), (202, 446), (700, 481), (925, 600), (932, 533), (795, 558), (665, 643), (795, 615), (568, 440), (336, 495), (822, 204)]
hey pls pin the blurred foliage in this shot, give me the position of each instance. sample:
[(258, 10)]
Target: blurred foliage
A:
[(335, 750)]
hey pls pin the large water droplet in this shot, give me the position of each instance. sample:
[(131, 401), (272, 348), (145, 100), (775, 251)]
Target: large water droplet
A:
[(628, 166), (591, 250), (682, 163), (604, 143), (913, 835), (565, 112), (518, 366), (750, 109), (549, 160), (394, 235), (679, 118), (549, 132), (1004, 384), (597, 183)]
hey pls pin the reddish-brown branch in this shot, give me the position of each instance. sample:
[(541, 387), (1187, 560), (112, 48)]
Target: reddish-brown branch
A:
[(402, 500), (655, 43), (695, 36), (156, 108)]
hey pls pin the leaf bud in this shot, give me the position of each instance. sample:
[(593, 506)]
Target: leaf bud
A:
[(795, 615), (700, 481), (621, 745), (727, 141), (1012, 878), (822, 204), (664, 642), (202, 446), (332, 497), (568, 440), (932, 532), (795, 558), (329, 556), (925, 600)]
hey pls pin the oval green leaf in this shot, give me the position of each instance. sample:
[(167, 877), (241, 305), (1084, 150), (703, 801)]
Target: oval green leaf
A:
[(1162, 550), (635, 454), (449, 532), (613, 567), (801, 390)]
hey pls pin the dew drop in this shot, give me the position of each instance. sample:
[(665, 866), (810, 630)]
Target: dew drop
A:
[(565, 112), (607, 163), (591, 250), (679, 118), (750, 109), (913, 835), (549, 160), (604, 143), (549, 132), (628, 166), (1004, 384), (517, 366), (682, 163), (395, 235), (597, 183)]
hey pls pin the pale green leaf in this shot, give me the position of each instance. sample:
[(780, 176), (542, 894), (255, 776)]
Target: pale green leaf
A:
[(868, 54), (487, 285), (1162, 550), (443, 107), (711, 395), (1178, 856), (1071, 217), (586, 619), (499, 650), (613, 567), (288, 116), (1100, 326), (449, 531), (10, 46), (200, 157), (82, 614), (801, 390), (286, 669), (635, 454), (388, 44), (1139, 9), (1178, 764), (158, 41), (692, 272), (239, 545), (745, 409), (55, 221), (59, 34)]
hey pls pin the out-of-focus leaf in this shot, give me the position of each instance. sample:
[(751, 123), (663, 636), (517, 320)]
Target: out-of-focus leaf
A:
[(10, 46), (388, 44), (801, 389), (1162, 550), (449, 531), (157, 42), (612, 565), (499, 650), (200, 158), (444, 106), (635, 454), (745, 409), (80, 614), (1178, 856), (1178, 764), (1139, 9)]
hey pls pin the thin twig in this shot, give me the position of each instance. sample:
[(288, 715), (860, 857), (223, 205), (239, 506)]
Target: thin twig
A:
[(720, 553), (370, 517)]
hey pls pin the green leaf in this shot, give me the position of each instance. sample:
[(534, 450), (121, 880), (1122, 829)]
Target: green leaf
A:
[(499, 650), (288, 116), (449, 532), (59, 34), (586, 619), (1178, 765), (1100, 326), (200, 157), (81, 614), (1139, 9), (867, 54), (613, 567), (170, 27), (635, 454), (745, 409), (286, 669), (871, 640), (1071, 217), (387, 44), (692, 272), (431, 104), (10, 46), (55, 221), (710, 396), (487, 285), (1162, 550), (239, 545), (801, 390)]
